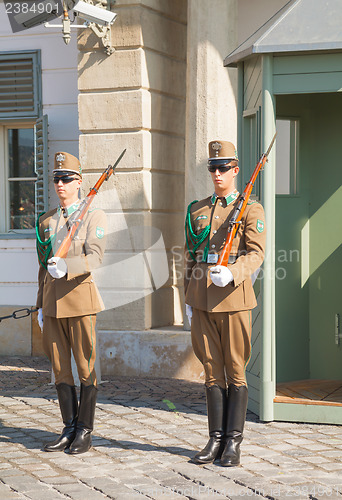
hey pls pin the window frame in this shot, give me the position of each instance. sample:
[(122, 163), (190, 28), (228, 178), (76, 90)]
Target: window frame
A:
[(22, 119), (294, 184), (251, 149), (5, 188)]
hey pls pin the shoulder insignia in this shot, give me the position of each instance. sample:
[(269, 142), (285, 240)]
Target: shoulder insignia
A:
[(99, 232), (251, 202), (260, 226)]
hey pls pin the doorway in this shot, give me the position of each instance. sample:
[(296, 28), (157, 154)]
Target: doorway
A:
[(309, 249)]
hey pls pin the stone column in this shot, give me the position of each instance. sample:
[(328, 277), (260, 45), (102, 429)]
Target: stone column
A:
[(134, 99), (211, 88)]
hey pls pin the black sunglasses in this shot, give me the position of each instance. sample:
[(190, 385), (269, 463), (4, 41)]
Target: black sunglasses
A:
[(65, 179), (222, 168)]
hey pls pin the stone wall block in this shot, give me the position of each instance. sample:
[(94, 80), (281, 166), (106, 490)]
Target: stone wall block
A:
[(172, 226), (162, 307), (122, 191), (163, 74), (168, 152), (134, 315), (163, 35), (100, 150), (167, 114), (137, 26), (137, 231), (126, 32), (20, 344), (167, 192), (174, 9), (114, 110), (122, 69)]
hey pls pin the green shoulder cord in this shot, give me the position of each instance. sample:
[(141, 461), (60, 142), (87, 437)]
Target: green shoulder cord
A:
[(43, 247), (195, 239)]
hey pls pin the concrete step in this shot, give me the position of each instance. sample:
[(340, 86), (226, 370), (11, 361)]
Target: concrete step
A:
[(162, 352)]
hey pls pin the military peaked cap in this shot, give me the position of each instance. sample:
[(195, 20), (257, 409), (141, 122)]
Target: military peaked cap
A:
[(65, 162), (224, 150)]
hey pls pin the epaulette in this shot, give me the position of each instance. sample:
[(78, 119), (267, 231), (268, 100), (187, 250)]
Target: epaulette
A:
[(191, 203), (251, 202)]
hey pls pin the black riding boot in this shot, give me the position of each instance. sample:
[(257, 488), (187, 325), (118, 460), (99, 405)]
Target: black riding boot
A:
[(216, 407), (67, 399), (236, 416), (85, 421)]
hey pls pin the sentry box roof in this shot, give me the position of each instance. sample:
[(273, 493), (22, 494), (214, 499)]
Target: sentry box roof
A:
[(301, 25)]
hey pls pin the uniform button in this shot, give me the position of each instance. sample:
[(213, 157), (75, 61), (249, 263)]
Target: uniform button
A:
[(221, 204), (217, 216), (61, 227), (198, 228), (214, 231), (91, 281), (59, 241), (213, 246)]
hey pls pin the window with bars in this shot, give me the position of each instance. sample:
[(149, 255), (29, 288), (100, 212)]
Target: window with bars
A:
[(23, 142)]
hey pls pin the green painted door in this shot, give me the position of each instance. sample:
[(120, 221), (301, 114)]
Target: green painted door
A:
[(308, 242)]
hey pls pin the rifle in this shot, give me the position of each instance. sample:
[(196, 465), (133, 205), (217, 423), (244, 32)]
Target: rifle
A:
[(76, 218), (240, 208)]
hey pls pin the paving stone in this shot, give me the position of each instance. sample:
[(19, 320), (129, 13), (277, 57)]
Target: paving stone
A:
[(141, 449)]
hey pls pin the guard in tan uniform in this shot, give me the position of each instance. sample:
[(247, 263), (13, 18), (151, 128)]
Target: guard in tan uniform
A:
[(68, 301), (219, 301)]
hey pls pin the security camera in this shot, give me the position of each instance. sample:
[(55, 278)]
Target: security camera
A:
[(37, 14), (94, 14)]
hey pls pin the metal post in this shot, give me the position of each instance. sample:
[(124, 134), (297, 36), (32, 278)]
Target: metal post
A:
[(267, 389)]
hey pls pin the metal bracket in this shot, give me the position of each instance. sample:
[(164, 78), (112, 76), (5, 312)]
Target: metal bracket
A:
[(104, 34)]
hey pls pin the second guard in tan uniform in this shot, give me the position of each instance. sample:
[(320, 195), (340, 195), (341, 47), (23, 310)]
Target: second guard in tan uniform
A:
[(219, 301), (68, 301)]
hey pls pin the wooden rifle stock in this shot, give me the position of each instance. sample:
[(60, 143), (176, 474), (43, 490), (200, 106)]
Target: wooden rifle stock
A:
[(240, 208), (77, 217)]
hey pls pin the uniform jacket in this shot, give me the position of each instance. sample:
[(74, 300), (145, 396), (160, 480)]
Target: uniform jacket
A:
[(76, 293), (245, 258)]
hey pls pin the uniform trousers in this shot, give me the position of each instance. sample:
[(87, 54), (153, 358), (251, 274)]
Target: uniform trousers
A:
[(60, 335), (222, 343)]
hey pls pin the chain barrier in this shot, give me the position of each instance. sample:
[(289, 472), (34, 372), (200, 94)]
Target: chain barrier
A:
[(20, 313)]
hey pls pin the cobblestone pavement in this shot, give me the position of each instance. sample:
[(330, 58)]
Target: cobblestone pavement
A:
[(146, 432)]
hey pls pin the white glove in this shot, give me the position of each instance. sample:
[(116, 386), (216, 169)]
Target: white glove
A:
[(188, 312), (57, 267), (221, 275), (40, 318)]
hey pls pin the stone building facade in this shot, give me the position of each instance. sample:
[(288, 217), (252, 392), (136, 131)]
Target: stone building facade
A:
[(162, 95)]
